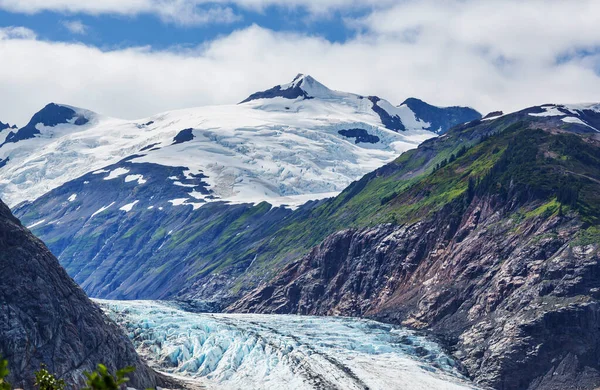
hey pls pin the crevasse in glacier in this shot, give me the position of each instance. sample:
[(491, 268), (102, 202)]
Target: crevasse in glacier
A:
[(247, 351)]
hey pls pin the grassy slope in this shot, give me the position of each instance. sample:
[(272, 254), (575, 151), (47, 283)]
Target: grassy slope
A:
[(558, 169)]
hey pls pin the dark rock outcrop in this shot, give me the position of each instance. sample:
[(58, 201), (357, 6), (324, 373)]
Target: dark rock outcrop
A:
[(441, 119), (359, 135), (392, 122), (184, 135), (4, 126), (493, 114), (46, 318)]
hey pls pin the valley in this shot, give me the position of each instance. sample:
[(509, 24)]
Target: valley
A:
[(482, 236)]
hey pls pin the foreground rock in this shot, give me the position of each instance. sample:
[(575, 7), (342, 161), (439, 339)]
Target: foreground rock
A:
[(46, 318)]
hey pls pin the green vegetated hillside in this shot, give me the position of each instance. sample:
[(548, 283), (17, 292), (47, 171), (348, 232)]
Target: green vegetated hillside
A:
[(507, 155)]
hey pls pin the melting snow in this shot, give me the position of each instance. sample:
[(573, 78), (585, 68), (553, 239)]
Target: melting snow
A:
[(72, 197), (246, 351), (572, 119), (36, 224), (184, 202), (491, 118), (116, 173), (140, 178), (178, 202), (180, 184), (127, 208), (101, 209), (197, 195), (549, 111)]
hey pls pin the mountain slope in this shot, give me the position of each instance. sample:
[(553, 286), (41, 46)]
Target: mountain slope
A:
[(495, 248), (46, 318), (182, 203)]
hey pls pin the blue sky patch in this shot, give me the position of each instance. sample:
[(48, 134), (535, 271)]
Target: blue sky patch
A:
[(110, 31)]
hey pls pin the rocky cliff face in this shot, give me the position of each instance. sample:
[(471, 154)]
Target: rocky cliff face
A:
[(517, 301), (46, 318)]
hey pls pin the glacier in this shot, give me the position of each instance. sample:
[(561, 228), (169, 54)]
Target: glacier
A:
[(251, 351)]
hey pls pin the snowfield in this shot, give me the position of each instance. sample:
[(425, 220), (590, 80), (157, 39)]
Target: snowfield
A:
[(248, 351), (271, 149)]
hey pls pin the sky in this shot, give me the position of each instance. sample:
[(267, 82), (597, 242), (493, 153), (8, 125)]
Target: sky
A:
[(135, 58)]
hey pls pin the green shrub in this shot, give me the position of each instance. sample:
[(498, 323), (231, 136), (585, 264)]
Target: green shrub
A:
[(44, 380), (101, 379), (4, 385)]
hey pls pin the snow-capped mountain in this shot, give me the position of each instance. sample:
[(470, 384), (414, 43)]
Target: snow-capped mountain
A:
[(185, 185), (295, 140)]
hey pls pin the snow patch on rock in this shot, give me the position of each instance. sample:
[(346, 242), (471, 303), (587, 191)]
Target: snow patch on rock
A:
[(101, 209), (116, 173), (128, 207), (139, 178)]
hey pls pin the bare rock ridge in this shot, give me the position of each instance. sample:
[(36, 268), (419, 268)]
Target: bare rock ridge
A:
[(46, 318)]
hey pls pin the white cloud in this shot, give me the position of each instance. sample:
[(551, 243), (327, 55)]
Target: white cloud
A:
[(75, 27), (16, 33), (187, 13), (489, 55)]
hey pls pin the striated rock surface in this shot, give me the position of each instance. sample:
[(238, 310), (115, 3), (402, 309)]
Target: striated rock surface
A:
[(46, 318), (516, 302)]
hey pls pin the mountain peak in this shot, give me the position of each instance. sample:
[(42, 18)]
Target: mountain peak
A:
[(302, 86), (51, 115), (4, 126), (440, 118), (303, 79)]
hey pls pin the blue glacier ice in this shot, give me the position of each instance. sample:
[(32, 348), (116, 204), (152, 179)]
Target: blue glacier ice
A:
[(251, 351)]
